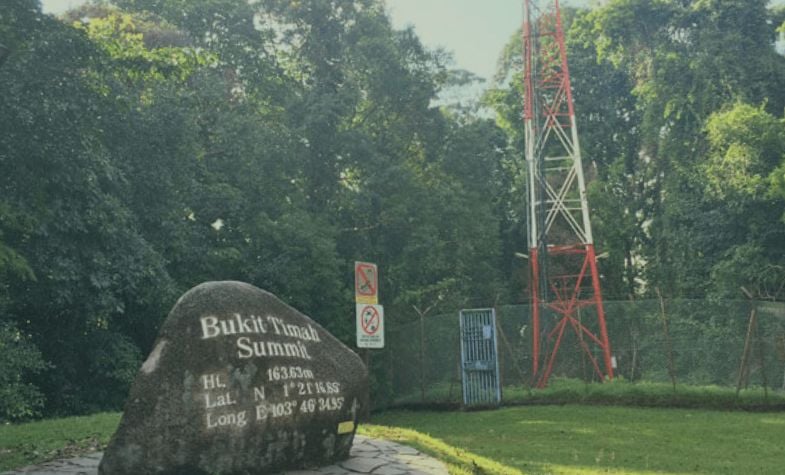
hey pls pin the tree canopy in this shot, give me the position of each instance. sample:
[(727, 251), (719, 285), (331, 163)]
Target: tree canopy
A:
[(150, 145)]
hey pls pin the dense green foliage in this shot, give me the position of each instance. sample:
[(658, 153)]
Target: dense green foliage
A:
[(150, 145), (148, 149), (19, 398)]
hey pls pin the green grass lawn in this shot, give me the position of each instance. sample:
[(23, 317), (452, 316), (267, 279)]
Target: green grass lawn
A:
[(576, 439), (570, 439), (33, 442)]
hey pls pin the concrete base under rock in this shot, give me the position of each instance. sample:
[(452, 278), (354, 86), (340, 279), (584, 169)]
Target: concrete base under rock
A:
[(368, 456)]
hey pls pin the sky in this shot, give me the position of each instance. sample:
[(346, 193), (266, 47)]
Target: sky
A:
[(474, 31)]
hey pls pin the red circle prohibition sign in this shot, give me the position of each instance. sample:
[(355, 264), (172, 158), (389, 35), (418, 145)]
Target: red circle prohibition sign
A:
[(370, 320), (366, 281)]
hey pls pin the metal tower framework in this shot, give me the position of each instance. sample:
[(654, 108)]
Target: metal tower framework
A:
[(563, 264)]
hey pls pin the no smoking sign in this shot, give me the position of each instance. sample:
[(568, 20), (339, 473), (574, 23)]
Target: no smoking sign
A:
[(370, 326)]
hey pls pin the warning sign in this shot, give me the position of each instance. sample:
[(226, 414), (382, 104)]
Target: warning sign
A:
[(366, 283), (370, 326)]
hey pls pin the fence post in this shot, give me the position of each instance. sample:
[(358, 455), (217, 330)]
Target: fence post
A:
[(744, 366), (633, 341), (391, 374), (422, 314), (671, 365), (507, 345), (583, 354), (422, 358), (781, 355), (762, 358), (758, 342), (457, 376)]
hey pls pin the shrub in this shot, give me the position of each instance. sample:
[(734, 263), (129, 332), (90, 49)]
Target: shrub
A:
[(19, 399)]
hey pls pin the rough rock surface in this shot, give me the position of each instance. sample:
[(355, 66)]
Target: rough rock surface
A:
[(238, 383)]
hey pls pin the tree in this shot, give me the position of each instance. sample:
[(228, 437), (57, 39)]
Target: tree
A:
[(686, 60), (746, 146), (79, 240)]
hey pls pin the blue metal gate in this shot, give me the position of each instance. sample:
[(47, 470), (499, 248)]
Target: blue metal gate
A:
[(479, 358)]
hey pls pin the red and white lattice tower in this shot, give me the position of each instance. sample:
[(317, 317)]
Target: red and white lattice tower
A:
[(564, 282)]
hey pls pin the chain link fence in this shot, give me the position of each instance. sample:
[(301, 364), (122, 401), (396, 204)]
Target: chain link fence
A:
[(680, 342)]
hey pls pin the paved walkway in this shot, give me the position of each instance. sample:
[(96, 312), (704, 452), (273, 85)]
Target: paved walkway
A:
[(368, 456)]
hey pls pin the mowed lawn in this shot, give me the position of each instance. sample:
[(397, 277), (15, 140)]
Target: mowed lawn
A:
[(34, 442), (576, 439), (568, 439)]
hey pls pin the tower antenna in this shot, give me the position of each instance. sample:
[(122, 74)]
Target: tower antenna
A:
[(564, 281)]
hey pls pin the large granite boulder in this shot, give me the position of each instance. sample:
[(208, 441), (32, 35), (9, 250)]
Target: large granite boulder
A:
[(238, 382)]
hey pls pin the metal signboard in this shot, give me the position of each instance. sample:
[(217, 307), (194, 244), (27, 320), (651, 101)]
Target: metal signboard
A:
[(366, 283), (479, 358), (370, 326)]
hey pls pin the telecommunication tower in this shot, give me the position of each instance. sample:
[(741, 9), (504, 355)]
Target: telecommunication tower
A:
[(564, 282)]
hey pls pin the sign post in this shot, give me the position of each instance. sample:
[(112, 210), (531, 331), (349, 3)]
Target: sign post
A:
[(369, 314)]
